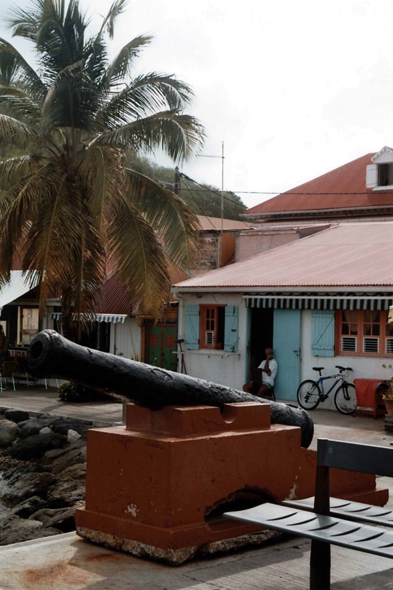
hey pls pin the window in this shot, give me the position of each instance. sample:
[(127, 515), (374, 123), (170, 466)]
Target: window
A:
[(211, 331), (385, 174), (211, 327), (364, 333)]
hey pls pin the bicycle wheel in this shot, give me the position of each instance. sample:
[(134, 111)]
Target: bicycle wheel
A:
[(345, 398), (308, 395)]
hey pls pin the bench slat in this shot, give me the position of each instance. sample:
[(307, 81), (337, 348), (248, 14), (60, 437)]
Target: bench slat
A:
[(355, 457), (327, 529), (349, 510)]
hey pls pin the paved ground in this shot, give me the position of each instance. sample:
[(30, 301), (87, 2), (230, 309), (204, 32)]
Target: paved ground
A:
[(47, 400), (65, 562)]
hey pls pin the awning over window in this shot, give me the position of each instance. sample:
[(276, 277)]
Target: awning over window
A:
[(313, 301), (16, 287), (110, 318)]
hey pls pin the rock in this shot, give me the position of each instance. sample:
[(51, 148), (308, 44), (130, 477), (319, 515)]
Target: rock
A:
[(34, 447), (62, 519), (7, 463), (72, 436), (65, 493), (45, 430), (31, 484), (63, 425), (28, 507), (75, 472), (8, 432), (73, 457), (16, 415), (19, 530), (34, 425), (14, 474)]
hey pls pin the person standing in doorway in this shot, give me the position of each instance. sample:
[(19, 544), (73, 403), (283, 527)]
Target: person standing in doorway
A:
[(269, 371)]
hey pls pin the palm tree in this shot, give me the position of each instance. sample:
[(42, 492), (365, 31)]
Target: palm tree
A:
[(68, 203)]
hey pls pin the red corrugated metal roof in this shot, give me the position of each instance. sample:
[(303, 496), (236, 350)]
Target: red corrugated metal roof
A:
[(350, 178), (115, 300), (347, 254)]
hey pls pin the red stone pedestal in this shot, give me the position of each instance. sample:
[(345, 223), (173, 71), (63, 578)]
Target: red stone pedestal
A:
[(155, 486)]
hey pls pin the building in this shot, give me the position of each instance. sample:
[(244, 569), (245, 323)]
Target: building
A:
[(319, 301), (360, 190)]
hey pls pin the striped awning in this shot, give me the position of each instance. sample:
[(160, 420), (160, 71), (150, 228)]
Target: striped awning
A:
[(110, 318), (313, 301)]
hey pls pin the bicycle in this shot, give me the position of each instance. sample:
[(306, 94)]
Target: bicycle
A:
[(310, 393)]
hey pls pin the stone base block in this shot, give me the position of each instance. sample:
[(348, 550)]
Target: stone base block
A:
[(179, 556)]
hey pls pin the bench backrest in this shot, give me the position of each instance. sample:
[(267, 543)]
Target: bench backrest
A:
[(355, 457)]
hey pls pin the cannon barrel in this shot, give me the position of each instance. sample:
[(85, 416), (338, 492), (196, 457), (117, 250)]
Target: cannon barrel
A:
[(52, 355)]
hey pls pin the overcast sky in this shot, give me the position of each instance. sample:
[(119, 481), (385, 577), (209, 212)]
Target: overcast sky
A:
[(293, 88)]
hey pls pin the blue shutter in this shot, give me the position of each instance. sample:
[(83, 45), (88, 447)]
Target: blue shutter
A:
[(322, 341), (231, 328), (192, 327)]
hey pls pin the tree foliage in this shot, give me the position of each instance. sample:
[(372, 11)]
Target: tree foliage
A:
[(69, 204), (202, 199)]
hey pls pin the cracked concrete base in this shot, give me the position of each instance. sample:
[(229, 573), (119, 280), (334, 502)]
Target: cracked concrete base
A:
[(179, 556)]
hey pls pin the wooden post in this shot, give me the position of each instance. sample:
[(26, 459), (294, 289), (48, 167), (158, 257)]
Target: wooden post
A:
[(320, 552)]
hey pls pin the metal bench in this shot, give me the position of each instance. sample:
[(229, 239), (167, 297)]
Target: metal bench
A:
[(338, 524)]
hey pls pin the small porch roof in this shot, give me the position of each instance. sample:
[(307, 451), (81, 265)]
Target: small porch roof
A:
[(18, 285)]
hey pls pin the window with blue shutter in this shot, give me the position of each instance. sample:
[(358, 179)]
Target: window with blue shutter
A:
[(231, 328), (192, 327), (322, 342)]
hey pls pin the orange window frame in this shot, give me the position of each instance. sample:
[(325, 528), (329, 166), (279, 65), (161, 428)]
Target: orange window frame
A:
[(208, 322), (363, 327)]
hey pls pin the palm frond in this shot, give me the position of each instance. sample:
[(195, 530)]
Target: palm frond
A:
[(17, 207), (19, 104), (13, 170), (31, 79), (139, 257), (108, 23), (176, 225), (120, 66), (12, 130), (142, 97), (177, 134)]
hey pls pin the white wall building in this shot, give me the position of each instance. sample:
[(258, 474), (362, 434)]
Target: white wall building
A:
[(320, 301)]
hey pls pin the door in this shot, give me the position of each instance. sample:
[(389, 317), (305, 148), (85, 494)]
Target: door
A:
[(169, 360), (160, 345), (286, 345)]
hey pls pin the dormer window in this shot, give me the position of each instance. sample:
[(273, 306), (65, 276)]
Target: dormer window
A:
[(385, 174), (379, 175)]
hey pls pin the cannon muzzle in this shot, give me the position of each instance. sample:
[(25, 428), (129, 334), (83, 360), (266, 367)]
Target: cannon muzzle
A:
[(52, 355)]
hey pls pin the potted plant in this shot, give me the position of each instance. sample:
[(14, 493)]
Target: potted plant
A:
[(387, 395)]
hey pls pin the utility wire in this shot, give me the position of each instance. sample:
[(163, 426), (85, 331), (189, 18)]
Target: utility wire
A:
[(204, 189)]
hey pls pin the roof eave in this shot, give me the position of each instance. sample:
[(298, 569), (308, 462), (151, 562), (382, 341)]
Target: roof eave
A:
[(284, 289)]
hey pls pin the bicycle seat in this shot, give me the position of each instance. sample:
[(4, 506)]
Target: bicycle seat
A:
[(318, 369)]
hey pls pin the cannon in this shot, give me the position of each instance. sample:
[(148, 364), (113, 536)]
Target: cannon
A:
[(52, 355)]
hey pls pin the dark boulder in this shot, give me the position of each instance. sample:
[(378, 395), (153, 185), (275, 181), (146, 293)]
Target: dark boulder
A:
[(34, 425), (66, 492), (16, 415), (28, 507), (62, 519), (34, 447), (63, 425), (19, 530), (31, 484)]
